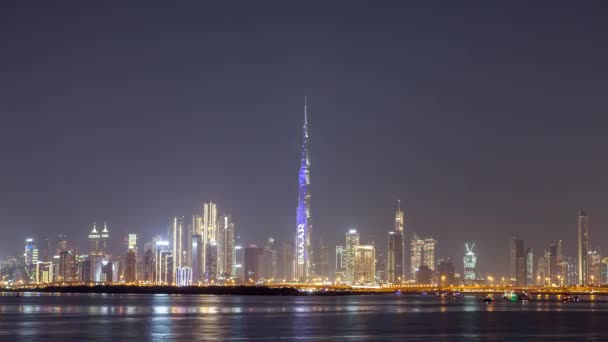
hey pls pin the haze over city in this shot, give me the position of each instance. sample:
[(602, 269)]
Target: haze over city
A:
[(485, 121)]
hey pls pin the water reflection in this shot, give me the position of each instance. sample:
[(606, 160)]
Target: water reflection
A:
[(94, 317)]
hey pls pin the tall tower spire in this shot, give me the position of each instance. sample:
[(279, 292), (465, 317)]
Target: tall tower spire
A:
[(303, 248)]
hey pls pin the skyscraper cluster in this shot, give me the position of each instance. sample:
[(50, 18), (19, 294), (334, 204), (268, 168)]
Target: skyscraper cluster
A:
[(203, 249)]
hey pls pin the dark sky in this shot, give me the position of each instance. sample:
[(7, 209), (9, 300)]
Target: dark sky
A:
[(485, 119)]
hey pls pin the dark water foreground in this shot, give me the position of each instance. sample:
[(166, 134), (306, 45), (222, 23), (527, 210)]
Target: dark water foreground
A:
[(133, 289), (136, 317)]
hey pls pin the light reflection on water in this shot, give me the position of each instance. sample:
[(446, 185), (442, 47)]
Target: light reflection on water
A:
[(350, 317)]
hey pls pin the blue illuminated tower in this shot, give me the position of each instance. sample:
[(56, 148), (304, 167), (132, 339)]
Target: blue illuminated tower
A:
[(303, 248)]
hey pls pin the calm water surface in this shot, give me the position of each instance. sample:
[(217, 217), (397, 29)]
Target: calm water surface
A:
[(39, 317)]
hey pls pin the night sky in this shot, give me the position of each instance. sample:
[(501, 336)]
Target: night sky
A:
[(486, 120)]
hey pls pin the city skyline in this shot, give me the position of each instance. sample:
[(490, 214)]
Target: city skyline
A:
[(480, 133)]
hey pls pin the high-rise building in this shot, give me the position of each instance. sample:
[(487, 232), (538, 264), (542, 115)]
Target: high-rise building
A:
[(163, 263), (210, 221), (227, 247), (416, 247), (352, 240), (542, 271), (94, 241), (470, 263), (209, 231), (446, 272), (131, 266), (520, 263), (62, 243), (568, 272), (175, 240), (44, 272), (365, 265), (394, 258), (211, 258), (340, 270), (529, 267), (583, 247), (105, 237), (197, 258), (287, 261), (428, 253), (321, 265), (31, 259), (269, 261), (595, 266), (381, 268), (253, 264), (555, 258), (303, 249), (67, 269), (239, 261), (604, 271), (512, 260), (399, 268)]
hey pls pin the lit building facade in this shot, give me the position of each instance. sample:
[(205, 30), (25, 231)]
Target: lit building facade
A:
[(394, 258), (470, 263), (583, 247), (416, 247), (352, 240), (555, 258), (227, 248), (364, 265), (595, 267), (529, 267), (542, 271), (31, 259), (303, 248), (176, 239)]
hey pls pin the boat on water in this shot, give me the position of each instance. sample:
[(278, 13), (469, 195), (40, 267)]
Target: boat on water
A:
[(569, 298), (523, 296), (487, 299)]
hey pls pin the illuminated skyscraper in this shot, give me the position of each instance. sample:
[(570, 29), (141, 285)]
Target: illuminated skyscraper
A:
[(416, 245), (105, 237), (269, 261), (470, 263), (175, 240), (209, 231), (303, 248), (67, 268), (529, 267), (555, 258), (163, 263), (595, 266), (428, 255), (62, 243), (364, 265), (131, 266), (583, 247), (227, 247), (422, 254), (400, 271), (542, 270), (395, 258), (352, 240), (31, 259), (210, 221), (520, 263), (94, 241), (512, 260)]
